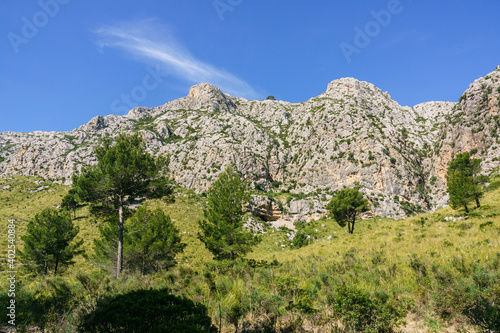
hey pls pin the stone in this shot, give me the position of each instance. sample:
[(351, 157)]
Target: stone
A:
[(353, 134)]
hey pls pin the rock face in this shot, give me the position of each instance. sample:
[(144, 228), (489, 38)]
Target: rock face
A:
[(265, 208), (353, 134), (305, 210)]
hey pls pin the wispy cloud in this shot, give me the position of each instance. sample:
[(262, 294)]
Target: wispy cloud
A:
[(150, 41)]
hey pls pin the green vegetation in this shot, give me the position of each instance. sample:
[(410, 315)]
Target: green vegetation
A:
[(465, 184), (159, 313), (48, 242), (153, 242), (70, 201), (222, 229), (424, 273), (346, 205), (124, 172)]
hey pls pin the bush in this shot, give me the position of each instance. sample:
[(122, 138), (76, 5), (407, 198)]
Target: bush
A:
[(474, 293), (301, 239), (484, 313), (276, 183), (359, 311), (147, 311)]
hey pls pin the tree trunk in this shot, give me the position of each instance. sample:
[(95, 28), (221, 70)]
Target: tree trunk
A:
[(55, 269), (477, 201), (466, 208), (352, 225), (119, 256)]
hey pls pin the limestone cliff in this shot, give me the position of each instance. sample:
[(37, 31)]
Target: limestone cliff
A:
[(353, 134)]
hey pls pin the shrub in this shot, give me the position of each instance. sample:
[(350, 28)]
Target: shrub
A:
[(359, 311), (301, 239), (276, 183), (484, 313), (474, 293), (147, 311), (42, 305)]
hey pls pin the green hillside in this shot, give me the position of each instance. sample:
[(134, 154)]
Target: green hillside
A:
[(427, 273)]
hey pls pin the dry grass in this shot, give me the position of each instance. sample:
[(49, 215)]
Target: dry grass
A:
[(377, 257)]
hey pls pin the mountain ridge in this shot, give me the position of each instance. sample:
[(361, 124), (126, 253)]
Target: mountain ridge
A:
[(353, 134)]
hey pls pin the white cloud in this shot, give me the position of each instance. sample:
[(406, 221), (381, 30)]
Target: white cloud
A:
[(149, 41)]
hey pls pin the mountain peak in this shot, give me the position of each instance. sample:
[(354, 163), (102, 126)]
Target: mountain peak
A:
[(204, 89), (347, 84)]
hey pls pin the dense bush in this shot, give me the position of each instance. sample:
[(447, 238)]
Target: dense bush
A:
[(474, 292), (147, 311), (359, 311), (301, 239), (45, 303)]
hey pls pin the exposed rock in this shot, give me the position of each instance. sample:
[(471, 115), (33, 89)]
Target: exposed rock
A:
[(305, 210), (255, 226), (353, 134), (265, 208)]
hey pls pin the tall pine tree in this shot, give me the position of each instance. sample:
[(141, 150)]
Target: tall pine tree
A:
[(222, 230), (465, 184), (124, 172)]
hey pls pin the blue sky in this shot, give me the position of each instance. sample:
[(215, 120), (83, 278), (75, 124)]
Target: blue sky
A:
[(66, 61)]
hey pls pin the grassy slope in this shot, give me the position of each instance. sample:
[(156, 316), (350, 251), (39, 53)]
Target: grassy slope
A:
[(380, 253)]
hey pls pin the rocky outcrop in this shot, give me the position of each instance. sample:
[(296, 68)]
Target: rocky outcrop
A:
[(305, 210), (271, 210), (353, 134), (265, 208)]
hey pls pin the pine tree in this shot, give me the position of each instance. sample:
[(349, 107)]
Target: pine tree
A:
[(153, 241), (460, 189), (478, 180), (346, 205), (465, 184), (222, 230), (48, 242), (124, 172), (70, 201)]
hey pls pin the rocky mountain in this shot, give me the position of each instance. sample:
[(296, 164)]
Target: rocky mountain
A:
[(353, 134)]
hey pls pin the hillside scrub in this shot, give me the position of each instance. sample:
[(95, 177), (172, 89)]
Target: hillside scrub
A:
[(406, 274)]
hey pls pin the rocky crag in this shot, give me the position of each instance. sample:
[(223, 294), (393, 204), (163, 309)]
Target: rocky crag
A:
[(353, 134)]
